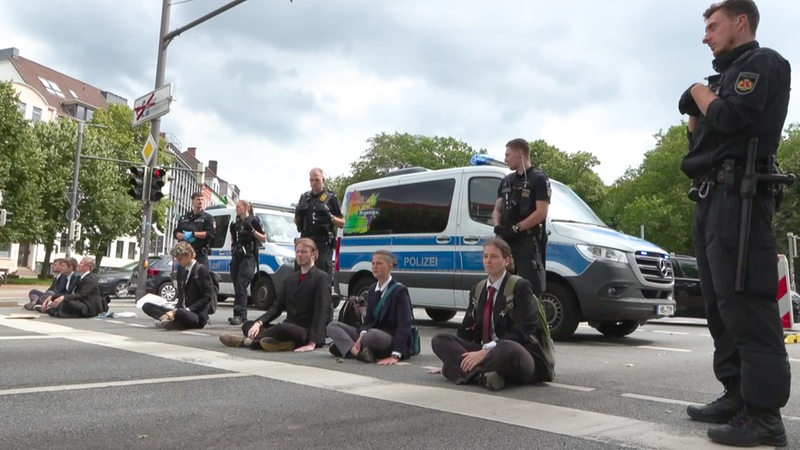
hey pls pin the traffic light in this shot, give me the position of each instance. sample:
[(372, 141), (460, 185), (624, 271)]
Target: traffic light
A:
[(157, 182), (137, 175)]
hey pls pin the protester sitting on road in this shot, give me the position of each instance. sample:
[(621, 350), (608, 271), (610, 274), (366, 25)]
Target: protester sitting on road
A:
[(194, 292), (85, 301), (308, 305), (71, 278), (386, 334), (57, 286), (499, 339)]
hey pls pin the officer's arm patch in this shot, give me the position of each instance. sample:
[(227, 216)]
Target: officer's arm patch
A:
[(746, 82)]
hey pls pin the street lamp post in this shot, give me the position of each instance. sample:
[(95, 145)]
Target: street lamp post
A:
[(73, 207), (164, 38)]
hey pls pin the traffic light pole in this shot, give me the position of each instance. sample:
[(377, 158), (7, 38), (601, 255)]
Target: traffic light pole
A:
[(73, 207), (164, 38)]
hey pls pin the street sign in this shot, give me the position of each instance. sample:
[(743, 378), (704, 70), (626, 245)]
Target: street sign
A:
[(77, 215), (152, 105), (149, 149)]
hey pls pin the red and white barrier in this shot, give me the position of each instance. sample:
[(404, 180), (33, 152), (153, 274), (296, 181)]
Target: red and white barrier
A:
[(784, 295)]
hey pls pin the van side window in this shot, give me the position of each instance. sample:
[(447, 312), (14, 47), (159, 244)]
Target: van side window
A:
[(482, 198), (221, 223), (411, 208)]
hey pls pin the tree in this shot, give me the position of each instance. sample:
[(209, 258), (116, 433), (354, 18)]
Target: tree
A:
[(576, 170), (20, 171), (654, 195), (787, 219), (389, 152)]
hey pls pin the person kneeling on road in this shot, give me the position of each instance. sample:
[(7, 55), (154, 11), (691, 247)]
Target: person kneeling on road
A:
[(308, 305), (195, 289), (508, 322), (386, 334)]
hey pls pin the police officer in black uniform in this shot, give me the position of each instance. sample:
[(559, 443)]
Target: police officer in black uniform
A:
[(246, 235), (747, 99), (317, 214), (197, 228), (520, 212)]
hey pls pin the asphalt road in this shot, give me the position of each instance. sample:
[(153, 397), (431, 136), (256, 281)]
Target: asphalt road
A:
[(121, 383)]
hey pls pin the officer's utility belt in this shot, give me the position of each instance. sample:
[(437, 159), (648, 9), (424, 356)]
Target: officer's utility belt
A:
[(728, 175)]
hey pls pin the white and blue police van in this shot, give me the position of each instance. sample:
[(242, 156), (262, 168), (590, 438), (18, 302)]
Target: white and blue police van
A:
[(436, 221), (275, 257)]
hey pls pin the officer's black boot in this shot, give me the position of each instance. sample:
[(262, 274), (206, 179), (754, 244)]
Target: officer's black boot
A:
[(720, 410), (756, 427)]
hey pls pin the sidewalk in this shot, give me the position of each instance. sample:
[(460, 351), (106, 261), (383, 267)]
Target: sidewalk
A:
[(16, 294)]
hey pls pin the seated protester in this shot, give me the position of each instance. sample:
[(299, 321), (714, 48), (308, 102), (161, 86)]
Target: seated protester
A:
[(194, 292), (308, 305), (71, 277), (85, 301), (386, 334), (57, 286), (504, 336)]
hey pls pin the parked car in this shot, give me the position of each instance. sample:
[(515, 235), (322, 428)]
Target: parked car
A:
[(117, 282), (161, 273), (159, 277), (689, 300)]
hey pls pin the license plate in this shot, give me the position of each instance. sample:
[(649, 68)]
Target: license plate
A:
[(665, 310)]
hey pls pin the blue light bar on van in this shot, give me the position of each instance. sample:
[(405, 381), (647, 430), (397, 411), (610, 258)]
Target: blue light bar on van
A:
[(485, 160)]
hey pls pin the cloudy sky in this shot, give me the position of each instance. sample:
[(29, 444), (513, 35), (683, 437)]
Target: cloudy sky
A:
[(272, 88)]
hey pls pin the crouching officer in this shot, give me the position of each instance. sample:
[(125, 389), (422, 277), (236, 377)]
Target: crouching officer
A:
[(520, 212), (246, 235), (317, 214), (735, 127), (197, 228)]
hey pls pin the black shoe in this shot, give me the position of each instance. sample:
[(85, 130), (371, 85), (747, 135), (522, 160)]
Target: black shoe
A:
[(756, 428), (721, 410), (365, 355), (492, 381), (335, 351), (273, 345), (235, 320)]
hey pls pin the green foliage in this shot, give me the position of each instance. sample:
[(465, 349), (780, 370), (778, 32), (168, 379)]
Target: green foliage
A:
[(654, 195), (576, 170), (787, 219), (21, 175), (389, 152)]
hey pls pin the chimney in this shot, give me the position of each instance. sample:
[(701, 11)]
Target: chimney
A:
[(212, 166), (192, 152), (8, 53)]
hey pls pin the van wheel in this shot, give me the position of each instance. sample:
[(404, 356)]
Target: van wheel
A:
[(361, 288), (262, 292), (616, 328), (440, 315), (561, 310)]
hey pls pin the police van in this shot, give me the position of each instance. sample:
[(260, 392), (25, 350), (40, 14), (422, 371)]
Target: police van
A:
[(275, 257), (436, 221)]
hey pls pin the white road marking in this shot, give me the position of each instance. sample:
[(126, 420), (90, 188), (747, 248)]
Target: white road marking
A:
[(26, 337), (577, 423), (671, 332), (137, 325), (105, 384), (113, 321), (571, 387), (682, 402), (194, 333), (666, 349)]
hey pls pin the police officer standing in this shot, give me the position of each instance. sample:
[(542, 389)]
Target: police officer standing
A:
[(316, 215), (747, 100), (520, 212), (246, 234), (197, 228)]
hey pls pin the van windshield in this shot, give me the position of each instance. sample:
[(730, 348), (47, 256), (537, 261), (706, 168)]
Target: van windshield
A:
[(280, 228), (566, 206)]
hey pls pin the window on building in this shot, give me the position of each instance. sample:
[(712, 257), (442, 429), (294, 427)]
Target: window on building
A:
[(52, 87), (36, 115), (120, 249), (131, 250), (407, 209), (73, 93), (22, 107)]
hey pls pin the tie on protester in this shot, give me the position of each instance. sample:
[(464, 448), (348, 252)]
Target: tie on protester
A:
[(487, 315)]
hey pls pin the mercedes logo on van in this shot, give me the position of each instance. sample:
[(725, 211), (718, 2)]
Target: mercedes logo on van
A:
[(663, 267)]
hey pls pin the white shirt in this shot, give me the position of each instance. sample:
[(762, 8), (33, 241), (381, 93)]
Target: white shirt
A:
[(496, 285)]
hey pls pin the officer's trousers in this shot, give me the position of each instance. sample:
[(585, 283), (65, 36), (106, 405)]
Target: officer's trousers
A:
[(746, 327), (528, 262), (325, 259), (242, 270)]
